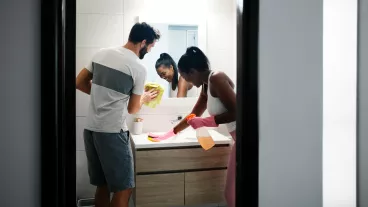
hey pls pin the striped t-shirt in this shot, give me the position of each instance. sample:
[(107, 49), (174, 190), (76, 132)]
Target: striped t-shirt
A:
[(117, 73)]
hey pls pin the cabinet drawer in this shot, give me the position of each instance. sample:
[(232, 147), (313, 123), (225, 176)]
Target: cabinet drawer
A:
[(204, 187), (163, 190), (181, 159)]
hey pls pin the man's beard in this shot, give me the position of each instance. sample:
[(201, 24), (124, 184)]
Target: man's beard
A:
[(142, 52)]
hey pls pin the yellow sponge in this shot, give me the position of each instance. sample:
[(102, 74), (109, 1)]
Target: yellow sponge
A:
[(152, 139), (157, 100)]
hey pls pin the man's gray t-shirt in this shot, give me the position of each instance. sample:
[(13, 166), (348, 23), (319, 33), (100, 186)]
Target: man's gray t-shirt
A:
[(117, 73)]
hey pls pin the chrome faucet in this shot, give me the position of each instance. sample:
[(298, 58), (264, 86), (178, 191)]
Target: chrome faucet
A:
[(179, 118)]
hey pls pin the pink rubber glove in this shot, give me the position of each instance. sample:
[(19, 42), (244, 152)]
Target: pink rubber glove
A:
[(198, 122), (162, 137)]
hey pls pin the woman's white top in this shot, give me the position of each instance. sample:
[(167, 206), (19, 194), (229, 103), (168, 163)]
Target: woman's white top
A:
[(216, 107)]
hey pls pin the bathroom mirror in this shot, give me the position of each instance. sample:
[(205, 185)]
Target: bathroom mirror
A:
[(175, 39), (178, 32)]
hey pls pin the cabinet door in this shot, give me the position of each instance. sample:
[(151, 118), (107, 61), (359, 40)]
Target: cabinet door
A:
[(161, 190), (181, 159), (204, 187)]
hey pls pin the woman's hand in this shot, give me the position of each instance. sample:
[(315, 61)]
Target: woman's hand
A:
[(198, 122), (161, 137)]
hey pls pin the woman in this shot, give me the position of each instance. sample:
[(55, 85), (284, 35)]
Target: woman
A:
[(166, 69), (218, 97)]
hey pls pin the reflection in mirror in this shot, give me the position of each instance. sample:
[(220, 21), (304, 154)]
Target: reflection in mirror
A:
[(161, 62)]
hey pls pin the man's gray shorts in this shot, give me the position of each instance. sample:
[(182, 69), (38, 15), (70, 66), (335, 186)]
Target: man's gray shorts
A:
[(110, 160)]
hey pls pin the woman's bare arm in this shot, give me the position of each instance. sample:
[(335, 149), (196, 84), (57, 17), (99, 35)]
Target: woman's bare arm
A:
[(223, 87), (198, 110)]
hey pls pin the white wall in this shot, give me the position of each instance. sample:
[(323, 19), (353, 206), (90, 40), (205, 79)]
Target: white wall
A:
[(339, 102), (290, 103), (99, 25), (221, 36)]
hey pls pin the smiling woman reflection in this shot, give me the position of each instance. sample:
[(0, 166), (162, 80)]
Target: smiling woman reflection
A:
[(166, 68)]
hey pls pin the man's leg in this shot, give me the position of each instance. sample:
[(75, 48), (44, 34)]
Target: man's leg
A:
[(116, 158), (102, 196), (96, 175), (121, 198)]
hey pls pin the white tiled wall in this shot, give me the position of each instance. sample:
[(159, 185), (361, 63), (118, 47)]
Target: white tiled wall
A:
[(221, 45), (105, 23), (159, 119), (99, 25), (100, 6), (99, 30)]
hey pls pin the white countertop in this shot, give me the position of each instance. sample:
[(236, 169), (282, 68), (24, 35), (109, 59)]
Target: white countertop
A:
[(182, 139)]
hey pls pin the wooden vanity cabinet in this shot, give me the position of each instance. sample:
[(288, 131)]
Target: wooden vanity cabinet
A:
[(181, 176)]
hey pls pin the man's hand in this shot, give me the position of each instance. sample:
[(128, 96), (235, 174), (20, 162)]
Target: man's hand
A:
[(149, 96), (136, 101)]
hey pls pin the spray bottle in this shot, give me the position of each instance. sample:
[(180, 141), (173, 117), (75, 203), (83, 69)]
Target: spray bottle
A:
[(203, 136)]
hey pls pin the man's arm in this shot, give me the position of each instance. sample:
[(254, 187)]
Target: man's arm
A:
[(139, 95), (136, 101), (83, 82)]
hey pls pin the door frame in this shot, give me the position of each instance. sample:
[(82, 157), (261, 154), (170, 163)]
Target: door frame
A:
[(58, 102), (58, 95), (247, 143)]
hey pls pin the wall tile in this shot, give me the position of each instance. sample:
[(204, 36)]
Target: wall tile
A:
[(80, 125), (223, 60), (83, 57), (221, 6), (220, 31), (96, 30), (82, 103), (171, 106), (100, 6), (156, 123), (84, 188)]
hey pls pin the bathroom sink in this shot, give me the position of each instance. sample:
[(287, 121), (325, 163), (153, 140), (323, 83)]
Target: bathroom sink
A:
[(184, 138)]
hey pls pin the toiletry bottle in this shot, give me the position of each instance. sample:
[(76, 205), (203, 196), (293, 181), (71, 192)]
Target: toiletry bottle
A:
[(203, 136), (137, 126)]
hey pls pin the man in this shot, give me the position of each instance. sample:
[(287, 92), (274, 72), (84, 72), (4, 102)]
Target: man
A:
[(115, 80)]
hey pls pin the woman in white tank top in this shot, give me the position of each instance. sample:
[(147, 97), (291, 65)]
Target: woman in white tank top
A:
[(166, 68), (218, 97)]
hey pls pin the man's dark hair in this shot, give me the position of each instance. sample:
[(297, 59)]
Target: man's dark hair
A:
[(143, 31)]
